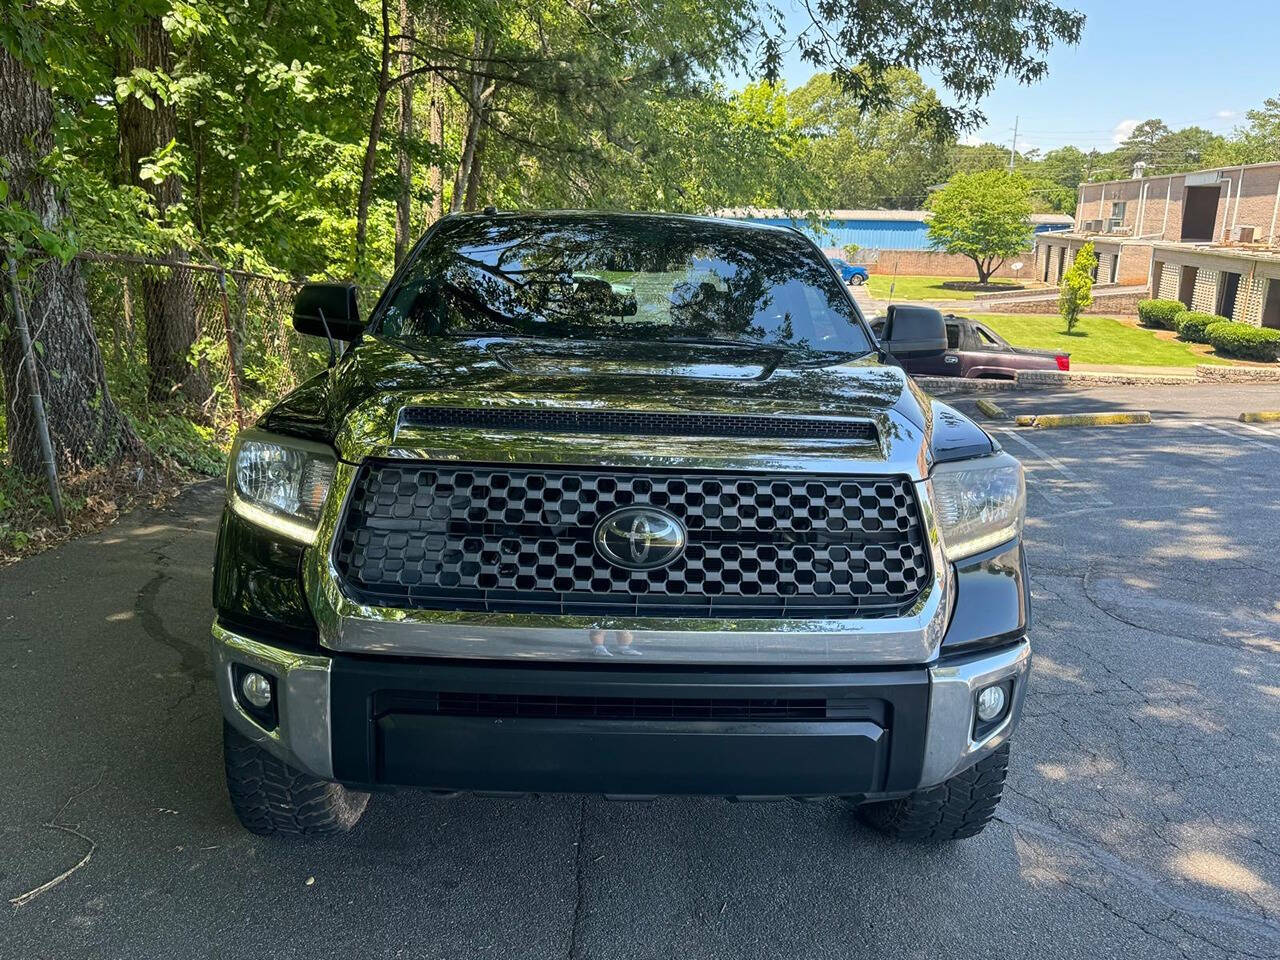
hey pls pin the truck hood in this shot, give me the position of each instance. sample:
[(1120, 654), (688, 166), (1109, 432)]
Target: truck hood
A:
[(358, 406)]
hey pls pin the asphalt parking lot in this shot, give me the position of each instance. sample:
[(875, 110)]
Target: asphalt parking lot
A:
[(1142, 817)]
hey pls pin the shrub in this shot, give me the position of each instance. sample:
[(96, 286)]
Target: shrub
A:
[(1159, 313), (1191, 324), (1076, 293), (1244, 340)]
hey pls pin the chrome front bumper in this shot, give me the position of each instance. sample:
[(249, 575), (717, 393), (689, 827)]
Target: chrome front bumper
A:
[(304, 738)]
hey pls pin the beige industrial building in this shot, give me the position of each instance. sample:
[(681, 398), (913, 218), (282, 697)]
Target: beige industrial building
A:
[(1208, 239)]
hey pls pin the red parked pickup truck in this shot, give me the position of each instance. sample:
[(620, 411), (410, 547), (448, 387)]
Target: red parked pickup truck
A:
[(975, 351)]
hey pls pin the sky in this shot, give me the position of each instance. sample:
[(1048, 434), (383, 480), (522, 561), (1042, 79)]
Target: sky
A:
[(1187, 62)]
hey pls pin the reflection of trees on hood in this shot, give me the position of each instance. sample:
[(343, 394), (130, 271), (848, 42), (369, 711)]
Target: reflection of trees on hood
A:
[(530, 273)]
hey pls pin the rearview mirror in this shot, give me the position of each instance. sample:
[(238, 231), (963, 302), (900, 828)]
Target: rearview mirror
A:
[(914, 332), (337, 303)]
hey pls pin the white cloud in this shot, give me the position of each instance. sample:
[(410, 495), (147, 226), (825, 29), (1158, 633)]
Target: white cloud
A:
[(971, 140), (1120, 133), (1225, 114)]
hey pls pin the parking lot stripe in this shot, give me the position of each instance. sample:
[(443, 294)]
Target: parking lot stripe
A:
[(1262, 430), (1043, 488), (1236, 436)]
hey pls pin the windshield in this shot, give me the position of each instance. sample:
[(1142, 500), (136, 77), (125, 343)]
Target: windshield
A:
[(621, 278)]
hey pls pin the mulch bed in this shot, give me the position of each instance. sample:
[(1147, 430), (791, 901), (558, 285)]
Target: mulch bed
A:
[(973, 286)]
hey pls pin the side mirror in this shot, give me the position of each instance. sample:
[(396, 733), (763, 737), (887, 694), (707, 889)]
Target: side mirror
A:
[(337, 301), (914, 332)]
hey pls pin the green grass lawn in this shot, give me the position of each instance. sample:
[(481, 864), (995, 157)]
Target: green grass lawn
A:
[(918, 288), (1095, 340)]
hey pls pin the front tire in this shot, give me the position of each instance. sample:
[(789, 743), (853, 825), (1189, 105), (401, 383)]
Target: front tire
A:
[(954, 809), (271, 798)]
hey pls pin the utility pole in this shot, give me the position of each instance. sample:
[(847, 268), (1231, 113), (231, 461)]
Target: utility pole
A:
[(1013, 147)]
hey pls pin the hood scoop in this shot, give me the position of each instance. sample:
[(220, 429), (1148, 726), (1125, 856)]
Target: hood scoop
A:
[(621, 359), (640, 423)]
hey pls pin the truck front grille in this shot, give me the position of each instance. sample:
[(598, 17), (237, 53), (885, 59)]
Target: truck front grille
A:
[(517, 539)]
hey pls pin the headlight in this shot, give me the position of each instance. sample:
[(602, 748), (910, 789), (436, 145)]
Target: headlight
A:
[(979, 503), (280, 482)]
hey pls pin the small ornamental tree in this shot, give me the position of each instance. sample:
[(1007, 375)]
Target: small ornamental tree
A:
[(1076, 293), (851, 252), (984, 216)]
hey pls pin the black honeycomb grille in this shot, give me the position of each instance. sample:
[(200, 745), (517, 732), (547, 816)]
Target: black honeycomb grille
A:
[(641, 423), (519, 539)]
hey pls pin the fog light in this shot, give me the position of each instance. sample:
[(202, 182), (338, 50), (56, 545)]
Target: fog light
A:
[(991, 703), (256, 689)]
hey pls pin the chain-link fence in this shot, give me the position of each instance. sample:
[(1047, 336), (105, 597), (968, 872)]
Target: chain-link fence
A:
[(190, 352), (245, 351)]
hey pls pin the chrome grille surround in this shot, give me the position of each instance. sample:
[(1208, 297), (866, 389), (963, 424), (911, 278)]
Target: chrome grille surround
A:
[(912, 637), (518, 539)]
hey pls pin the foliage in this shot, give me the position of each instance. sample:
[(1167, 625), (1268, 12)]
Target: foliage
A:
[(1244, 340), (872, 158), (1163, 150), (969, 50), (983, 216), (850, 251), (1076, 290), (1191, 324), (1104, 340), (1159, 313), (1258, 141)]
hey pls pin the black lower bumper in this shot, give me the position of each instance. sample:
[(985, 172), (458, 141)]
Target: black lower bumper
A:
[(627, 731)]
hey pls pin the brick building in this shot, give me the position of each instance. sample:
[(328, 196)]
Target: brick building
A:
[(1209, 239)]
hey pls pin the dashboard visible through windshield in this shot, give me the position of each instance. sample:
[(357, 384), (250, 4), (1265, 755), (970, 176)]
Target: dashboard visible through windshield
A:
[(621, 277)]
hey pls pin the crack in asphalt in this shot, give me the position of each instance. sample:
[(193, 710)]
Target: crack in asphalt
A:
[(579, 888), (191, 661)]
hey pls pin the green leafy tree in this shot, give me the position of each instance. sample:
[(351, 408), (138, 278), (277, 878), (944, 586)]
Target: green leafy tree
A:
[(38, 238), (873, 158), (863, 42), (1258, 141), (1075, 295), (983, 216)]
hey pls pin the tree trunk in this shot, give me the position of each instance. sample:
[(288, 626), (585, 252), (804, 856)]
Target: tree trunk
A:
[(369, 168), (84, 424), (475, 118), (435, 127), (435, 134), (472, 201), (404, 168), (167, 294)]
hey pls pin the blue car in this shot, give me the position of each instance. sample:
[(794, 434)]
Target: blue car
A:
[(849, 273)]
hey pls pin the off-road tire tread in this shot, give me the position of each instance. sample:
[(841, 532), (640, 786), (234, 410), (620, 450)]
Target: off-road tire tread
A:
[(954, 809), (271, 798)]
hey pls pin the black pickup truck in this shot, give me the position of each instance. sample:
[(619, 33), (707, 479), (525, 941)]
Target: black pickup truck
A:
[(621, 504), (975, 350)]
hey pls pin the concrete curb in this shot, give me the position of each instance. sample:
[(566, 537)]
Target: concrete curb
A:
[(1211, 373), (1046, 378), (1259, 416), (1114, 419), (963, 385), (991, 409)]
